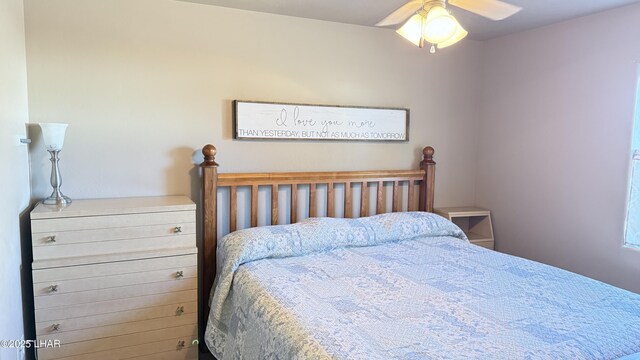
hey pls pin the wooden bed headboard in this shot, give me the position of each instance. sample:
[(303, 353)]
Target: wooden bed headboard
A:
[(424, 177)]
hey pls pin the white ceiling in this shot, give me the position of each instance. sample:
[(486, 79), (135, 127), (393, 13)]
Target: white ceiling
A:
[(535, 13)]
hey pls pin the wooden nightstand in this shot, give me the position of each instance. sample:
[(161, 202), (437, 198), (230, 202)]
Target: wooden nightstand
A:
[(474, 221)]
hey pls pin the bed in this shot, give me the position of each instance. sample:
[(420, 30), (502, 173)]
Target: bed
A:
[(403, 285)]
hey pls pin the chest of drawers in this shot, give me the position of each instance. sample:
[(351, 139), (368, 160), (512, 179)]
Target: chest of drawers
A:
[(116, 279)]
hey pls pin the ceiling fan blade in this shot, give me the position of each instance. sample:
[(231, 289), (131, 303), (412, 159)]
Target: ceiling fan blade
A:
[(402, 13), (492, 9)]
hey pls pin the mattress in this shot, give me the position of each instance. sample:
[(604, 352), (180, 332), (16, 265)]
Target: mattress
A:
[(405, 286)]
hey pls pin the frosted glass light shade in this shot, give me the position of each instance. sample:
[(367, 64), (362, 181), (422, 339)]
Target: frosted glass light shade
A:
[(460, 34), (412, 29), (440, 26), (435, 26), (53, 134)]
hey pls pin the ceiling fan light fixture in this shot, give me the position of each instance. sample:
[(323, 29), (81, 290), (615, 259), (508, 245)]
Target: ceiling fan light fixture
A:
[(412, 29), (429, 21), (460, 34), (434, 25), (439, 26)]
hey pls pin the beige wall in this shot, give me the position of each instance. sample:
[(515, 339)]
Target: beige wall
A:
[(143, 84), (14, 177), (553, 158)]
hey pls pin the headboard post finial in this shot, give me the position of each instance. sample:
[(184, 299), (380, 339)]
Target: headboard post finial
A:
[(427, 188), (209, 151), (427, 154)]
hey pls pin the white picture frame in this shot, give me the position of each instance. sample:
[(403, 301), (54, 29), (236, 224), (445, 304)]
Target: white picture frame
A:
[(254, 120)]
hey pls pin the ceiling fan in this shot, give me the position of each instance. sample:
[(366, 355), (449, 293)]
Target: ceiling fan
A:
[(430, 22)]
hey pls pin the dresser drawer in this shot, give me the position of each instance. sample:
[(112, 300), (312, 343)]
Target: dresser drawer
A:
[(184, 354), (40, 226), (102, 331), (55, 326), (123, 292), (66, 237), (106, 282), (125, 346), (114, 306), (161, 350), (113, 268), (125, 275), (113, 247)]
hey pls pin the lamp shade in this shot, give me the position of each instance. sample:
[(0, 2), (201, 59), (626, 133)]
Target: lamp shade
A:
[(412, 29), (439, 26), (53, 134), (460, 34)]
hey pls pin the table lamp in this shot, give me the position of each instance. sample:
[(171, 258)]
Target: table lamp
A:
[(53, 135)]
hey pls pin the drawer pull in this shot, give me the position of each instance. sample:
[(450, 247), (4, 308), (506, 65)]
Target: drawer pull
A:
[(55, 327), (180, 344), (51, 239), (179, 274), (180, 310), (53, 288), (177, 229)]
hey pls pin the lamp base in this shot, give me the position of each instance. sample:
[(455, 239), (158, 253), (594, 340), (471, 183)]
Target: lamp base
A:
[(56, 197), (59, 200)]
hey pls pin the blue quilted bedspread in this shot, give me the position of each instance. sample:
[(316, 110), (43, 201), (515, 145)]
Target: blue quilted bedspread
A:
[(405, 286)]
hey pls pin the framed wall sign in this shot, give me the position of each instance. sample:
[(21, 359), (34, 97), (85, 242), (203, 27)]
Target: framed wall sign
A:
[(281, 121)]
